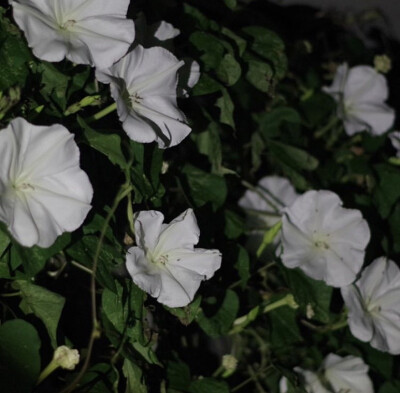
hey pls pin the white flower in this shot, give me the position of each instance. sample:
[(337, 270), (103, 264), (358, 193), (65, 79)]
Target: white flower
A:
[(43, 191), (395, 139), (264, 206), (360, 93), (165, 263), (143, 83), (338, 375), (323, 239), (83, 31), (374, 305)]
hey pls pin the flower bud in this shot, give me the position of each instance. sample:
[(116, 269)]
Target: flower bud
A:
[(66, 358)]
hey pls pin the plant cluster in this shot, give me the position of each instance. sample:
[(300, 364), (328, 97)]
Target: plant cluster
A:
[(196, 197)]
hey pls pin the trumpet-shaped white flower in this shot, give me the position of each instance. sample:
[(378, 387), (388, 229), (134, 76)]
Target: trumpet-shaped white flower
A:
[(338, 375), (323, 239), (83, 31), (361, 93), (165, 263), (264, 205), (143, 83), (43, 191), (374, 305)]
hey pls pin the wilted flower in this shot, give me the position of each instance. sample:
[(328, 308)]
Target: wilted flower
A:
[(43, 191), (323, 239), (264, 205), (360, 93), (338, 375), (83, 31), (143, 83), (165, 263), (374, 305)]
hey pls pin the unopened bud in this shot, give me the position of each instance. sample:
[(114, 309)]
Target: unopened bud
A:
[(382, 63), (66, 358), (229, 363)]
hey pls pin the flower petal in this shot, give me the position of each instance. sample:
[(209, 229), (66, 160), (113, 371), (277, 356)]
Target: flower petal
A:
[(148, 226)]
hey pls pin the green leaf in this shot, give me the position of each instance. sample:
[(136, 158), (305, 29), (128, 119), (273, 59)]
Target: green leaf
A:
[(242, 266), (98, 379), (293, 156), (178, 375), (284, 329), (44, 304), (220, 322), (14, 55), (209, 143), (4, 241), (310, 294), (387, 191), (259, 74), (34, 258), (187, 314), (19, 356), (206, 85), (211, 47), (268, 45), (228, 70), (270, 124), (134, 376), (205, 187), (208, 385), (240, 42), (226, 106), (231, 4), (234, 224), (107, 144)]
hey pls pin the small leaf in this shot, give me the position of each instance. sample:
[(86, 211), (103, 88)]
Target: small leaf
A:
[(228, 70), (242, 266), (134, 376), (225, 104), (44, 304), (234, 225)]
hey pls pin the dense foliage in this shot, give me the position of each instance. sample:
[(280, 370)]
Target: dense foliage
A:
[(257, 110)]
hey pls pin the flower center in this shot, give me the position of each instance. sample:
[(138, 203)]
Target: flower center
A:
[(23, 187), (134, 99), (321, 241), (68, 24)]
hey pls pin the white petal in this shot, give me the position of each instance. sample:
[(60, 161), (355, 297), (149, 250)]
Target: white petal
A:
[(348, 374), (339, 81), (323, 239), (144, 274), (395, 140), (165, 31), (365, 84), (83, 31), (148, 226), (374, 117), (182, 232), (44, 193), (360, 323)]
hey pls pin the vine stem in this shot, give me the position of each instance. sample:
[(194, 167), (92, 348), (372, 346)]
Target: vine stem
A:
[(123, 192), (104, 112)]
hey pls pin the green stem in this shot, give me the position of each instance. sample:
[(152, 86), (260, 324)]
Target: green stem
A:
[(13, 294), (288, 300), (51, 367), (104, 112), (331, 123), (122, 193)]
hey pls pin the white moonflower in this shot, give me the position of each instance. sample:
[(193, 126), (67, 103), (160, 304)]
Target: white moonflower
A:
[(43, 191), (165, 263), (264, 206), (83, 31), (143, 83), (374, 305), (338, 375), (323, 239), (361, 93)]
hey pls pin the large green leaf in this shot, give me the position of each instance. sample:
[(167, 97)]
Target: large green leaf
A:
[(46, 305), (134, 376), (19, 356)]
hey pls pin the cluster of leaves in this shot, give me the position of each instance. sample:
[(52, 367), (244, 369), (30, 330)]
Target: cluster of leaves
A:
[(258, 109)]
